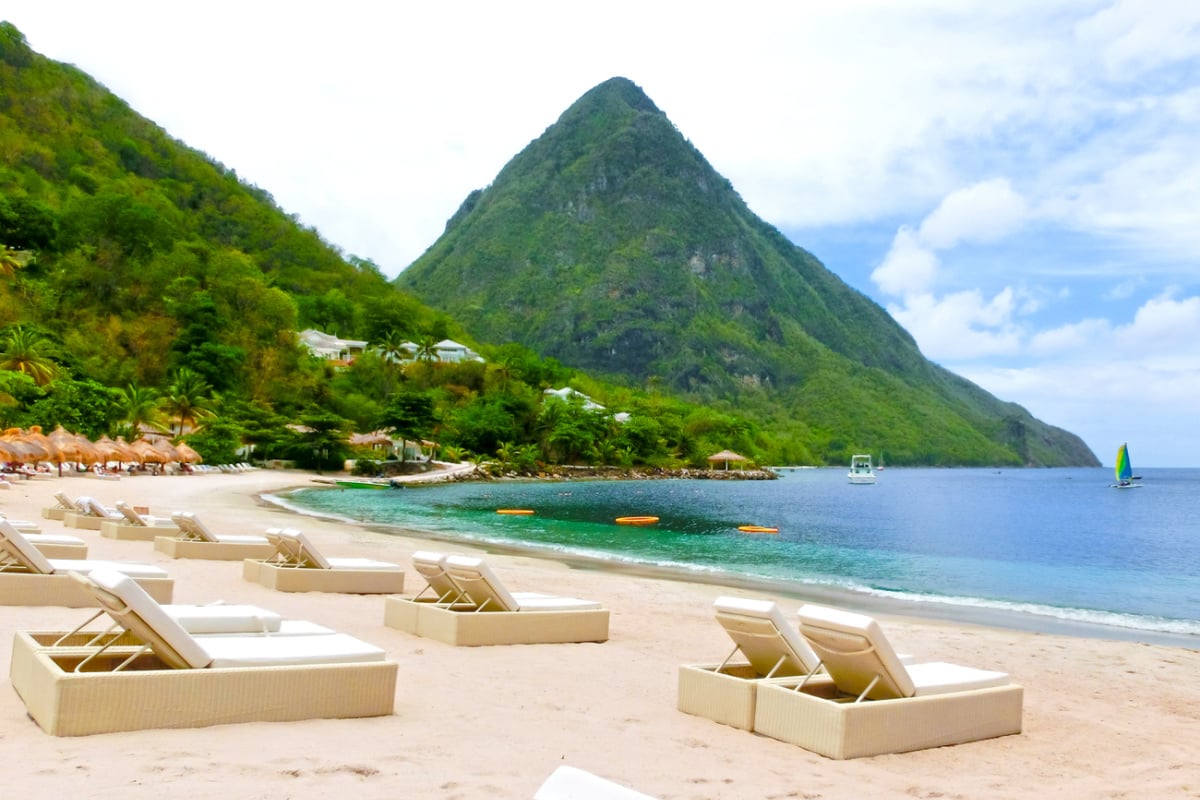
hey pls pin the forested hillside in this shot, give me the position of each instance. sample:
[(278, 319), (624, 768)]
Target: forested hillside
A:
[(611, 244), (145, 284)]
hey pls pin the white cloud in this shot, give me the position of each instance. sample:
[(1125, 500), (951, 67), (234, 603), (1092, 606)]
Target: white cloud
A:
[(962, 325), (909, 267), (1070, 339), (986, 212)]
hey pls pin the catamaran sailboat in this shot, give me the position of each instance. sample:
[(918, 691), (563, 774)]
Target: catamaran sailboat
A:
[(860, 469), (1124, 470)]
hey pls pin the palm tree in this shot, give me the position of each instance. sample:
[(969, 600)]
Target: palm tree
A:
[(188, 399), (24, 351), (140, 405)]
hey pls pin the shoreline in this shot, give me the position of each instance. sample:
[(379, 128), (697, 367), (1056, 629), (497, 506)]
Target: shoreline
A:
[(493, 722), (863, 601)]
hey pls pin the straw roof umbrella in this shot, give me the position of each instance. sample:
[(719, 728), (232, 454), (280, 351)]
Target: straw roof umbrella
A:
[(186, 454), (167, 449), (147, 453), (726, 456), (20, 449)]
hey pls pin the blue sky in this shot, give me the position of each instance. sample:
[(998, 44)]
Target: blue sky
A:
[(1017, 183)]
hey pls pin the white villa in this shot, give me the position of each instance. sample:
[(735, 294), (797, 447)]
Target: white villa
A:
[(567, 393), (330, 347)]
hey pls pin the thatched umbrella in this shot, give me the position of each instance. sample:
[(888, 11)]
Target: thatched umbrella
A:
[(186, 454), (147, 453), (726, 456), (110, 450), (167, 449), (20, 449)]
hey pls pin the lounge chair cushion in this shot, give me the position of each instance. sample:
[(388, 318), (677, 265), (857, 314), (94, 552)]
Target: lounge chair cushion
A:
[(294, 545), (764, 636), (221, 618), (480, 584), (86, 566), (855, 652), (190, 525), (146, 619)]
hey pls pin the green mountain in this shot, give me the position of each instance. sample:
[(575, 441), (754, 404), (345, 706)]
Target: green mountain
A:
[(610, 244)]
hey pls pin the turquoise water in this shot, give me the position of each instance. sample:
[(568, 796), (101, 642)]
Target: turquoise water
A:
[(1054, 544)]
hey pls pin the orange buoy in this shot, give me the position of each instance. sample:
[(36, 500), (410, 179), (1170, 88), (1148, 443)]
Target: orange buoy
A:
[(515, 511), (636, 520), (757, 529)]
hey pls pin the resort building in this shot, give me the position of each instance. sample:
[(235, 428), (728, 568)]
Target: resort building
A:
[(330, 347)]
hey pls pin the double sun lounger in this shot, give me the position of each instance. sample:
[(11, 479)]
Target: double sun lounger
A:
[(296, 565), (840, 689), (465, 603), (189, 537), (174, 667), (29, 578)]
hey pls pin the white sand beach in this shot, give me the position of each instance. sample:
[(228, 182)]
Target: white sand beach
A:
[(1102, 719)]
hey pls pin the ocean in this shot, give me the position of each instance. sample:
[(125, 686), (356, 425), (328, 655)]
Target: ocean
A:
[(1053, 550)]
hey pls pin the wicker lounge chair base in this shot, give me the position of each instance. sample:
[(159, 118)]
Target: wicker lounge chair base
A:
[(54, 513), (211, 551), (468, 628), (148, 694), (85, 522), (72, 551), (282, 578), (26, 589), (817, 719), (727, 697), (125, 531)]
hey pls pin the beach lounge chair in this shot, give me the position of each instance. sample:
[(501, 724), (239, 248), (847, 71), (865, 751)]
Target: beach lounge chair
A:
[(298, 566), (869, 702), (440, 586), (572, 783), (484, 612), (29, 578), (132, 525), (771, 648), (91, 514), (189, 537), (62, 504), (158, 675), (56, 545)]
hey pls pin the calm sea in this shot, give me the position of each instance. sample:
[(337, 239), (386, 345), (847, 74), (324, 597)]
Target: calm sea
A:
[(1048, 549)]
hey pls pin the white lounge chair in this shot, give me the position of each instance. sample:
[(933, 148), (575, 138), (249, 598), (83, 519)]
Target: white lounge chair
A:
[(869, 702), (91, 514), (28, 577), (771, 647), (159, 675), (571, 783), (135, 517), (484, 612), (298, 566), (191, 538), (441, 587), (62, 504)]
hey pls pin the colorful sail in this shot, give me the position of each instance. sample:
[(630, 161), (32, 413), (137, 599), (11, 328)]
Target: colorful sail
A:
[(1123, 468)]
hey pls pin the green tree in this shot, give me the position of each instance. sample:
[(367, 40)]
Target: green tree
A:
[(411, 414), (188, 400), (27, 351), (138, 406)]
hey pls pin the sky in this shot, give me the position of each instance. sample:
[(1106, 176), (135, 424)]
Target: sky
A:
[(1017, 183)]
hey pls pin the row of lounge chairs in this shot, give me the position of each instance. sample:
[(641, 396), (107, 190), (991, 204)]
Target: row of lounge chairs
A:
[(831, 683)]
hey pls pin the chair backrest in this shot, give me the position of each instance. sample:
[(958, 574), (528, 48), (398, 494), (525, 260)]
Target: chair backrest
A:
[(92, 506), (295, 549), (431, 566), (191, 528), (571, 783), (64, 502), (771, 645), (17, 554), (855, 652), (479, 584), (137, 612), (132, 516)]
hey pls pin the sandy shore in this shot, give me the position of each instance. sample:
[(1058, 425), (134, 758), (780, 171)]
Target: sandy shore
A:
[(1103, 719)]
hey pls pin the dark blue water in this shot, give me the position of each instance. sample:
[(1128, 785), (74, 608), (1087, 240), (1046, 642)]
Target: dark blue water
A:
[(1055, 543)]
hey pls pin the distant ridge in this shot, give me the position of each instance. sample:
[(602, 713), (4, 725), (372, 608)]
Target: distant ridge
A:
[(611, 244)]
